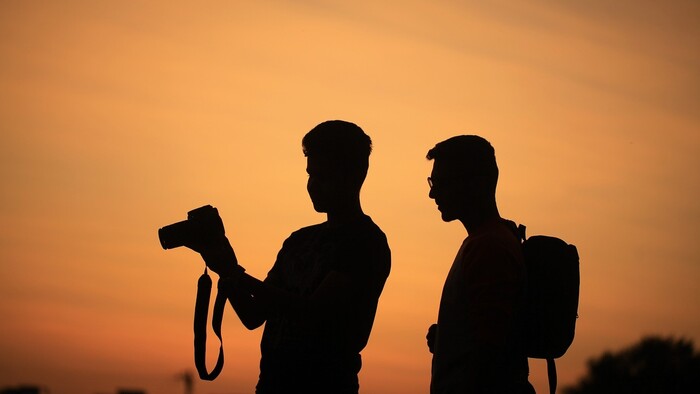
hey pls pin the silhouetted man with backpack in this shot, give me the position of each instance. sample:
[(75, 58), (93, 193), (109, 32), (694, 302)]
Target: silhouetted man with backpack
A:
[(477, 342)]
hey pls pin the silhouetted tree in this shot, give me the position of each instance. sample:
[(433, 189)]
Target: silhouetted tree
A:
[(23, 390), (653, 366)]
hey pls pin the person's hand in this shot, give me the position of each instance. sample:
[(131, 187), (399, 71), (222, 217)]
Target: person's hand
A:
[(220, 257), (231, 279), (206, 230), (210, 240), (432, 333)]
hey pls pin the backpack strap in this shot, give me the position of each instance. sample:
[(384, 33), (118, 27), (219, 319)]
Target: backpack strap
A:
[(517, 229), (552, 375), (521, 233)]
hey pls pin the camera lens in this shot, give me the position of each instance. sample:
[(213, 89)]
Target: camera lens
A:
[(175, 235)]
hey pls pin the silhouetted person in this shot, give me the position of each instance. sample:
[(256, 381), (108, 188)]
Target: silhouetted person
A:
[(319, 300), (476, 342)]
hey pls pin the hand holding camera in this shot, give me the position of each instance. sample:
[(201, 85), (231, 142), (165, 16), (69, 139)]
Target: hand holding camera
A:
[(203, 232)]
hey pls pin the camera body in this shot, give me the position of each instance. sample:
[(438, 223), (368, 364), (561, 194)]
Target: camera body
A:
[(203, 226)]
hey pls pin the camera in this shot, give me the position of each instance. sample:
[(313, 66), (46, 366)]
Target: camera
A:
[(203, 225)]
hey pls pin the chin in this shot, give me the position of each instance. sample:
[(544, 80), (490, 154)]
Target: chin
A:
[(447, 217)]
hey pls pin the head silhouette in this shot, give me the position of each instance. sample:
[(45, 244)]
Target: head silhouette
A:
[(337, 155), (464, 178)]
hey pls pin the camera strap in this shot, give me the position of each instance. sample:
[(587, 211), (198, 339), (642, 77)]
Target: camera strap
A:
[(201, 312)]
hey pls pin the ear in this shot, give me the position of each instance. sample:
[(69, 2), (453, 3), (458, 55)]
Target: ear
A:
[(482, 187)]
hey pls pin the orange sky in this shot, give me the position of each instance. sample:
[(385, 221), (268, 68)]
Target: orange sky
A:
[(118, 117)]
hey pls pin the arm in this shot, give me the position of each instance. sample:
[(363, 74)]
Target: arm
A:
[(255, 300), (222, 260), (216, 250), (247, 308)]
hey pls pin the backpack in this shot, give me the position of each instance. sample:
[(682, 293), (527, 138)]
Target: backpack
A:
[(551, 310)]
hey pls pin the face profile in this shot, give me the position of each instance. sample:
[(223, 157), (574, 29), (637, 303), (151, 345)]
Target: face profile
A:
[(450, 192), (322, 186), (463, 180), (441, 191)]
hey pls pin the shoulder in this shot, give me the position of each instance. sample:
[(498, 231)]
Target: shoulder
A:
[(495, 234), (493, 242), (306, 232), (370, 230), (367, 237), (364, 247), (301, 238)]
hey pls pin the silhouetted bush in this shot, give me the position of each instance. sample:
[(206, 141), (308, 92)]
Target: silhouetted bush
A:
[(655, 365)]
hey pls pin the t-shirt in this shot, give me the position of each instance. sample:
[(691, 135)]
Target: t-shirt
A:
[(323, 355), (477, 341)]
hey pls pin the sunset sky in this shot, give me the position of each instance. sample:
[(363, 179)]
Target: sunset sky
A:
[(117, 117)]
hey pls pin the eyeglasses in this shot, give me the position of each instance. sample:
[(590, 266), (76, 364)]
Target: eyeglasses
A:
[(441, 181)]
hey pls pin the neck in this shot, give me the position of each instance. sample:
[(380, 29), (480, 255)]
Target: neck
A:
[(345, 214), (478, 216)]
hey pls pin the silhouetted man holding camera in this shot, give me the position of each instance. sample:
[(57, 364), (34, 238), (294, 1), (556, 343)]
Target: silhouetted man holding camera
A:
[(319, 300), (476, 343)]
